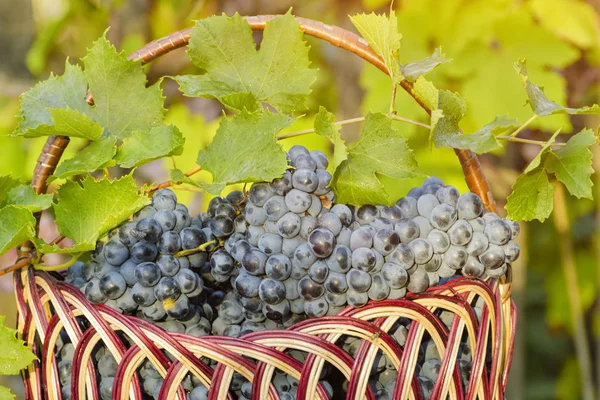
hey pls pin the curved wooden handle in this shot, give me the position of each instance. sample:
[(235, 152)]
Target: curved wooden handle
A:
[(337, 36)]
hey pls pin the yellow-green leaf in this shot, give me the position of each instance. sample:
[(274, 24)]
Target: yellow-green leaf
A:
[(14, 355), (17, 225), (324, 126), (141, 147)]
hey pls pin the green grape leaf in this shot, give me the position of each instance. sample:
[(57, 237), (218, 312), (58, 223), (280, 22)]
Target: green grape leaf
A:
[(380, 151), (177, 175), (87, 210), (6, 184), (15, 354), (239, 75), (245, 149), (141, 147), (451, 108), (68, 122), (96, 155), (427, 92), (324, 126), (25, 196), (414, 69), (66, 91), (17, 224), (123, 103), (572, 164), (482, 141), (381, 32), (540, 104), (6, 394), (532, 197)]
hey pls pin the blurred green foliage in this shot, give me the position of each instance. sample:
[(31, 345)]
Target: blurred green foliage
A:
[(559, 38)]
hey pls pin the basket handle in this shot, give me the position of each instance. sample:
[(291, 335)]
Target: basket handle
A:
[(475, 179)]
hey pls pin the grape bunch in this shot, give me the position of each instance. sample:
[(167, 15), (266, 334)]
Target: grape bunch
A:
[(299, 254)]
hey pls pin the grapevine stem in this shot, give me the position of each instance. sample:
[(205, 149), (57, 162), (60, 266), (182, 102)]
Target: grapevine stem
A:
[(188, 189), (409, 121), (393, 100), (58, 267), (528, 141), (351, 121), (170, 183), (202, 247), (561, 222), (18, 265), (525, 124)]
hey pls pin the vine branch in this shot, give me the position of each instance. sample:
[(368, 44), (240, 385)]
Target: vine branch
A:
[(171, 183)]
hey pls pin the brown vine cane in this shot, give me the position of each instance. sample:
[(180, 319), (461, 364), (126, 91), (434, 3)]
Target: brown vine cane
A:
[(38, 293)]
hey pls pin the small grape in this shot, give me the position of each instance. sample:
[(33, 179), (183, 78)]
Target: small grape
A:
[(498, 272), (445, 271), (167, 288), (478, 244), (166, 219), (289, 246), (289, 225), (321, 242), (191, 238), (493, 257), (335, 299), (143, 296), (425, 205), (155, 311), (270, 243), (343, 212), (443, 217), (188, 281), (364, 259), (415, 192), (148, 229), (305, 162), (113, 285), (402, 255), (283, 185), (106, 388), (255, 215), (498, 232), (394, 275), (161, 201), (424, 226), (336, 283), (296, 151), (478, 224), (303, 257), (418, 281), (318, 271), (252, 304), (271, 291), (469, 206), (275, 208), (147, 274), (324, 178), (146, 212), (433, 264), (115, 252), (126, 303), (169, 243), (305, 180), (259, 193), (439, 241), (316, 308), (511, 251), (379, 289), (473, 268), (358, 280), (320, 159), (315, 206), (489, 217), (107, 366), (361, 237), (448, 195), (431, 368), (310, 290), (297, 201), (309, 224), (422, 250), (366, 214), (456, 257), (344, 236), (183, 220), (385, 241), (340, 259), (408, 207), (331, 222), (460, 233), (247, 285), (278, 312), (356, 299), (254, 262), (407, 230), (515, 229), (221, 226), (291, 289), (221, 262), (380, 223), (143, 251)]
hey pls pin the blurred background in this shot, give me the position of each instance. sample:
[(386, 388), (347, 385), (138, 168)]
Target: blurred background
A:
[(559, 38)]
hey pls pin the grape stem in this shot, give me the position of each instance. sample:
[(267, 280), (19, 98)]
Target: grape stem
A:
[(18, 265), (202, 247), (351, 121), (171, 183), (528, 141), (525, 125), (59, 267)]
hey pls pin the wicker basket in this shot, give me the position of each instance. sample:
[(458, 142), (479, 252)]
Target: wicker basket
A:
[(46, 305)]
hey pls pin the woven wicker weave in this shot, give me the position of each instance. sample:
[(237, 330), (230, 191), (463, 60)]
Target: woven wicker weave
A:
[(46, 305)]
